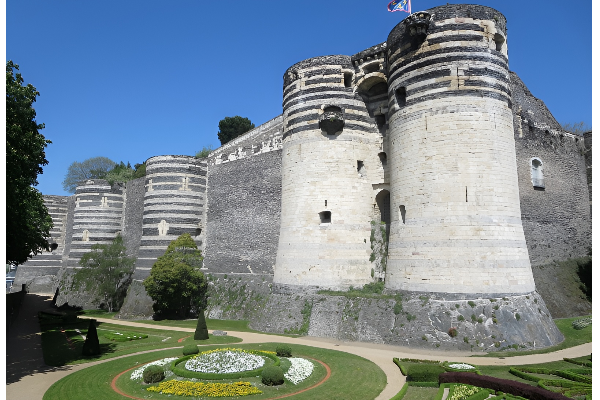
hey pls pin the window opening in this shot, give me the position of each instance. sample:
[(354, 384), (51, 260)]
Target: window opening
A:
[(374, 67), (403, 213), (325, 203), (537, 174), (347, 79), (383, 158), (360, 167), (325, 217), (466, 195), (401, 96), (499, 39)]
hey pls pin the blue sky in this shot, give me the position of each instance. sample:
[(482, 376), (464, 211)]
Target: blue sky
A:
[(133, 79)]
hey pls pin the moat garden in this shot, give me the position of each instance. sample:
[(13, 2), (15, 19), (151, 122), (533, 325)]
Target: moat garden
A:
[(157, 361)]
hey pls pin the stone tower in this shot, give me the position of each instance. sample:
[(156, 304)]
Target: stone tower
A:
[(456, 219), (329, 162)]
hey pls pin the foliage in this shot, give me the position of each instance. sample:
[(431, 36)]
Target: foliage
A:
[(204, 152), (452, 332), (424, 372), (175, 283), (140, 170), (107, 270), (121, 173), (91, 347), (201, 332), (584, 273), (153, 374), (28, 223), (190, 349), (283, 350), (232, 127), (92, 168), (577, 128), (272, 376), (582, 323)]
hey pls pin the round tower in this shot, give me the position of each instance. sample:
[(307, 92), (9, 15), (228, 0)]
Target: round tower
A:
[(330, 154), (97, 217), (456, 219), (173, 205)]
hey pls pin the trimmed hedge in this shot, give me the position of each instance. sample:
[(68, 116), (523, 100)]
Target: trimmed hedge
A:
[(424, 373), (574, 377), (401, 393), (272, 376), (481, 395), (440, 392), (584, 363), (524, 375), (402, 367), (153, 374), (190, 350), (423, 384), (503, 385), (184, 373), (283, 351)]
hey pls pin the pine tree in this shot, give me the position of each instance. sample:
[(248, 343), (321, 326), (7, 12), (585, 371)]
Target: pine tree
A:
[(201, 329)]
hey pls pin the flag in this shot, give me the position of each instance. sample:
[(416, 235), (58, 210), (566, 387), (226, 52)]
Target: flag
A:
[(399, 5)]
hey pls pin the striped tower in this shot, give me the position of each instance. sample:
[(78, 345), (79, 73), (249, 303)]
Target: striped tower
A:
[(97, 217), (456, 220), (329, 159), (39, 271), (173, 205)]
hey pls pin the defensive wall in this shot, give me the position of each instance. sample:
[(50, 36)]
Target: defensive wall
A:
[(428, 135)]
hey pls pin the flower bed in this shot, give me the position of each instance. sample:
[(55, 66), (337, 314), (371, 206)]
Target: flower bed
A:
[(233, 364), (299, 371), (460, 392), (199, 389), (138, 373)]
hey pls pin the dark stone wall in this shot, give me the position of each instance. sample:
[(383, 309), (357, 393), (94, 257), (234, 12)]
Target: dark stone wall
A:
[(243, 214), (133, 210), (556, 220)]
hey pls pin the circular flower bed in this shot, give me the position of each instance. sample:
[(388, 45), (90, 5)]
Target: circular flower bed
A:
[(224, 362)]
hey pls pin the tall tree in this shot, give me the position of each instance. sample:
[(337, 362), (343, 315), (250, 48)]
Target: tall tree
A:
[(92, 168), (107, 271), (176, 283), (232, 127), (28, 223)]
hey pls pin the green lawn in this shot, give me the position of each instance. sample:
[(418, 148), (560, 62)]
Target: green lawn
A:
[(573, 337), (420, 393), (223, 325), (58, 350), (98, 313), (352, 377)]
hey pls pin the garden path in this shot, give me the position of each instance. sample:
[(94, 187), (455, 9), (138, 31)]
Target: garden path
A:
[(34, 386)]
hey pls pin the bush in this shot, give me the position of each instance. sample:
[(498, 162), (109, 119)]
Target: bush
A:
[(272, 376), (284, 351), (91, 347), (424, 373), (452, 332), (153, 374), (190, 349), (201, 328)]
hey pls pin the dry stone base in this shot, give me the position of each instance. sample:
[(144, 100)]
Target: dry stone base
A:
[(137, 304)]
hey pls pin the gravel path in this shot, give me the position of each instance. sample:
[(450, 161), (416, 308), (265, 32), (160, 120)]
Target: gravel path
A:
[(28, 377)]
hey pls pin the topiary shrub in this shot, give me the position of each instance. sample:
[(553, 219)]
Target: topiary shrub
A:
[(153, 374), (272, 376), (190, 349), (284, 351), (201, 329), (91, 347)]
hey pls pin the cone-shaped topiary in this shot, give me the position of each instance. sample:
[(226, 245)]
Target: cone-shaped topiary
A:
[(91, 347), (201, 329)]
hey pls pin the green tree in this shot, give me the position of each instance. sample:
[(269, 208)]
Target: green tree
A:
[(28, 223), (107, 270), (176, 283), (92, 168), (232, 127), (140, 170), (204, 152), (121, 173)]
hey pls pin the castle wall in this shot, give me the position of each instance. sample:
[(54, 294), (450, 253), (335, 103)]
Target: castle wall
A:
[(244, 205), (556, 217)]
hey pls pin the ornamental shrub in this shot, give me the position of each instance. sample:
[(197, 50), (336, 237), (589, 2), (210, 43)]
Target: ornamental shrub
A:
[(284, 351), (91, 347), (272, 376), (452, 332), (201, 328), (424, 372), (153, 374), (190, 349)]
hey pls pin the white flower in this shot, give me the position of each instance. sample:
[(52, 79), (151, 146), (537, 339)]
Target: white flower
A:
[(461, 366), (299, 371), (138, 373), (223, 362)]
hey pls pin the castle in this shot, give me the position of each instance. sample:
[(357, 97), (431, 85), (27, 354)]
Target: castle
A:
[(422, 162)]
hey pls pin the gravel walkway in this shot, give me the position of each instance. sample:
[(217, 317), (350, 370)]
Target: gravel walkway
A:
[(28, 377)]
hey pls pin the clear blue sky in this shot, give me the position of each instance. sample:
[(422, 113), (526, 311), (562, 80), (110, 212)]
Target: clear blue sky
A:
[(137, 78)]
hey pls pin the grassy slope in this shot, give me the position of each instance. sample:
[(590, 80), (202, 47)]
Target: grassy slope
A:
[(352, 377)]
